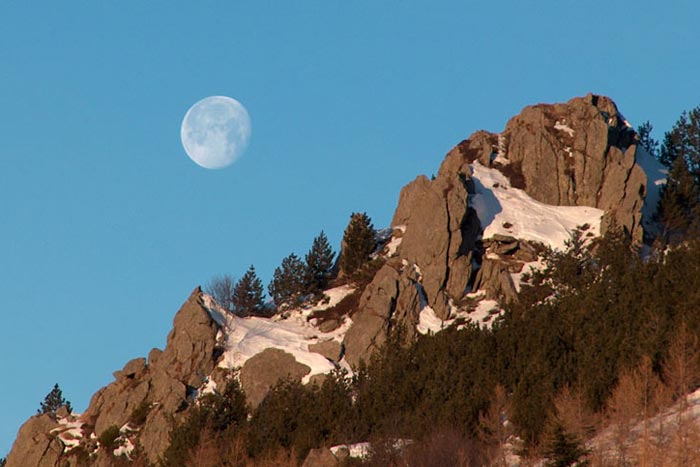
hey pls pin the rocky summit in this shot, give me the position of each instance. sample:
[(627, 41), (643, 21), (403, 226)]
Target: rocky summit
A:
[(459, 245)]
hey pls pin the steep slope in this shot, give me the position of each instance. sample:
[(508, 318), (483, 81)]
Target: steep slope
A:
[(469, 230), (459, 246)]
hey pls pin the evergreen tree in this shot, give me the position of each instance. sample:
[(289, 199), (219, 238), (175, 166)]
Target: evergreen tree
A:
[(679, 206), (288, 282), (645, 139), (53, 401), (358, 243), (248, 295), (319, 264), (684, 141), (564, 449)]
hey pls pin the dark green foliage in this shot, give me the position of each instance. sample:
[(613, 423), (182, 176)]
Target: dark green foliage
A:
[(215, 414), (679, 206), (319, 264), (683, 141), (298, 418), (288, 283), (359, 243), (53, 401), (108, 438), (645, 139), (248, 295), (3, 461), (564, 449), (140, 414)]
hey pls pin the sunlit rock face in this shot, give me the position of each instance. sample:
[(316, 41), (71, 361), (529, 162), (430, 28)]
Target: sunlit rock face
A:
[(578, 154)]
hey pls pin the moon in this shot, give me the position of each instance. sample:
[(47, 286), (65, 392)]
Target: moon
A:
[(215, 132)]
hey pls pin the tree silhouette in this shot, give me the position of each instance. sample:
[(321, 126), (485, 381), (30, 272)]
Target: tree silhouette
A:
[(248, 295), (358, 243), (319, 264), (288, 284), (53, 401)]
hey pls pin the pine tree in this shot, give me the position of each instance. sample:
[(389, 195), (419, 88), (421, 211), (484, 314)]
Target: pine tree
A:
[(319, 264), (645, 139), (683, 141), (248, 295), (53, 401), (288, 282), (358, 243), (564, 449), (679, 206)]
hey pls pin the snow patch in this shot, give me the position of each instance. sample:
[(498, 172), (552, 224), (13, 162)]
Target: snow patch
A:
[(69, 431), (429, 322), (292, 333), (510, 211), (357, 450), (125, 449), (561, 126), (392, 246)]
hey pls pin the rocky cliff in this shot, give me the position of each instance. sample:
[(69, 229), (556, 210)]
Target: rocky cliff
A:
[(459, 245), (582, 153)]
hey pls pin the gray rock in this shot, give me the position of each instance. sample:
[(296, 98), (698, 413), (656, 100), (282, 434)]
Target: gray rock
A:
[(329, 349), (320, 457), (35, 445), (370, 323), (265, 369), (329, 325), (494, 278)]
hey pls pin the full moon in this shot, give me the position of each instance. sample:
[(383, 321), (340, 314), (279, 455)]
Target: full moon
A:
[(215, 131)]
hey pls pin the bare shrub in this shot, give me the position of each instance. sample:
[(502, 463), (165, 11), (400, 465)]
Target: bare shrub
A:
[(221, 288)]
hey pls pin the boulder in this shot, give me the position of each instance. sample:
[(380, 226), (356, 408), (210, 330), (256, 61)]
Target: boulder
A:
[(330, 349), (265, 369), (320, 457)]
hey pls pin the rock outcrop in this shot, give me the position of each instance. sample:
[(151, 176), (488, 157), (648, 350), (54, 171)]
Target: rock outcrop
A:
[(163, 383), (263, 370), (581, 153), (35, 445)]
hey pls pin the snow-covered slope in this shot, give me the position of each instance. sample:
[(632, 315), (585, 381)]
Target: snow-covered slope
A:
[(510, 211), (291, 332)]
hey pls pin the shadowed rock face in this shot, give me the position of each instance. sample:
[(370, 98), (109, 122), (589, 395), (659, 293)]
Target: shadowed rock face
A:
[(581, 153)]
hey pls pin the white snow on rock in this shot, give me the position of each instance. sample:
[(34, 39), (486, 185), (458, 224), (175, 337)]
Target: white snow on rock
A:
[(357, 450), (125, 448), (505, 210), (429, 322), (69, 431), (291, 332), (563, 127), (392, 246)]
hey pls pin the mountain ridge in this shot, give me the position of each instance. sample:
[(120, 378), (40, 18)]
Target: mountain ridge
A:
[(454, 239)]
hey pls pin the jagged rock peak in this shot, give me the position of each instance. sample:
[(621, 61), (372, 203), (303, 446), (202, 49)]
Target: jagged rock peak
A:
[(579, 153), (163, 384)]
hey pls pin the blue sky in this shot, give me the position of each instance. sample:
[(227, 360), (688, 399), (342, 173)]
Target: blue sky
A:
[(107, 226)]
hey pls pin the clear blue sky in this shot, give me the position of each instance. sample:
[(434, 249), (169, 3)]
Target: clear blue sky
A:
[(107, 226)]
